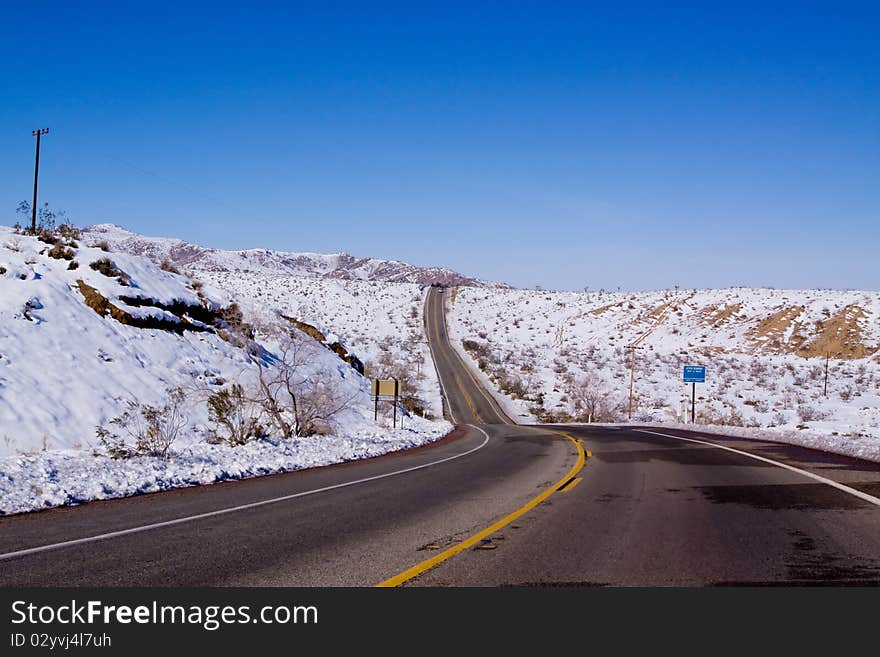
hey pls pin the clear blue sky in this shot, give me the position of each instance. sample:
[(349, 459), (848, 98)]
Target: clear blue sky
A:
[(543, 143)]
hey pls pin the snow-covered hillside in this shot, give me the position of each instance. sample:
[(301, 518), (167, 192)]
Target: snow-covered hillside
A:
[(83, 332), (563, 356), (195, 258), (381, 323)]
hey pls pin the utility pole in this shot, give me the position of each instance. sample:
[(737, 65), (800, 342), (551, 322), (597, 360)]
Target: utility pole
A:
[(827, 356), (632, 377), (37, 134), (633, 346)]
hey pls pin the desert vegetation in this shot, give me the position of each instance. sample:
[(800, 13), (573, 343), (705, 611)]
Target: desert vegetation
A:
[(565, 356)]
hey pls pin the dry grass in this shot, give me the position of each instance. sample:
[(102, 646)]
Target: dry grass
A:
[(770, 332), (335, 347), (601, 309), (715, 316), (104, 307), (840, 336)]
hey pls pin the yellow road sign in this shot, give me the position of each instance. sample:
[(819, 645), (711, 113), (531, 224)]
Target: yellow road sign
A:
[(385, 387)]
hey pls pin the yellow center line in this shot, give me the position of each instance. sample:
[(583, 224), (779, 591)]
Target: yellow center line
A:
[(450, 552), (452, 354), (571, 484), (467, 400)]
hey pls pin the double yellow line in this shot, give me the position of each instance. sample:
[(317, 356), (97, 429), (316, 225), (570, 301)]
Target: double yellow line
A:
[(465, 396), (467, 400), (453, 356), (427, 564)]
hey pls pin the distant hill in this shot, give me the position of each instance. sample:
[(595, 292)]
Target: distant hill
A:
[(193, 257), (558, 356)]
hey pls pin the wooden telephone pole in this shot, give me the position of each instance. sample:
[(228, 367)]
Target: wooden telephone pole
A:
[(827, 356), (37, 134), (635, 345), (632, 374)]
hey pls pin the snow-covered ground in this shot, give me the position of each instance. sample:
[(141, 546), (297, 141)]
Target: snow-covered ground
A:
[(53, 478), (561, 356), (379, 322), (67, 368)]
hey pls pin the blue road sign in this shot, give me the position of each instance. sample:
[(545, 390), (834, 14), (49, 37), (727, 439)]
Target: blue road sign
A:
[(694, 374)]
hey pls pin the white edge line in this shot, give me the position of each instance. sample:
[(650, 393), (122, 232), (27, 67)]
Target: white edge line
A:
[(233, 509), (830, 482)]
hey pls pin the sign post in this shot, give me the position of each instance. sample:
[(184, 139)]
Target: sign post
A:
[(385, 389), (694, 374)]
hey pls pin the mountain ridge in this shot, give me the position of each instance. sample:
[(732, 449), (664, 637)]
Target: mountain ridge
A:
[(190, 256)]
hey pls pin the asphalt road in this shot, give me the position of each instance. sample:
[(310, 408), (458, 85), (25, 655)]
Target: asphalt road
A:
[(497, 505), (465, 400)]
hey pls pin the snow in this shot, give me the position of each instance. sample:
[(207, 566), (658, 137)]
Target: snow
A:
[(56, 478), (369, 317), (68, 369), (758, 378), (65, 369)]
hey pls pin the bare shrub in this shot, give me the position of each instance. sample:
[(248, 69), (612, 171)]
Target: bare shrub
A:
[(589, 399), (107, 267), (60, 252), (476, 349), (511, 384), (168, 266), (152, 429), (808, 413), (68, 231), (47, 235), (297, 399), (733, 418), (236, 418)]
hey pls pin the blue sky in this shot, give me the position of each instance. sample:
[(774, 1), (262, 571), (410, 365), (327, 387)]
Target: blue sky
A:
[(552, 144)]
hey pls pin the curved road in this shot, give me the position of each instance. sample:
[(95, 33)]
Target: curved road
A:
[(495, 504)]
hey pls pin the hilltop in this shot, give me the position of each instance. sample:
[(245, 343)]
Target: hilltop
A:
[(193, 257)]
